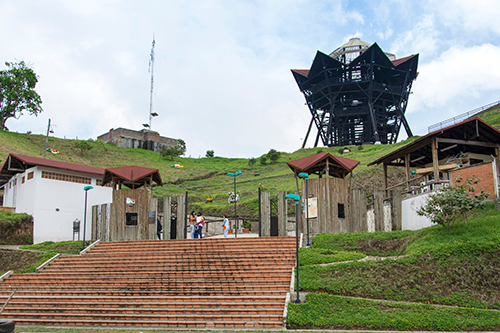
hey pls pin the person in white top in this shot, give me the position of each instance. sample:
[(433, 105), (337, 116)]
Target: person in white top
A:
[(225, 225), (200, 223)]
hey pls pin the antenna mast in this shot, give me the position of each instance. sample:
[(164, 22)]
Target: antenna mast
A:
[(151, 69)]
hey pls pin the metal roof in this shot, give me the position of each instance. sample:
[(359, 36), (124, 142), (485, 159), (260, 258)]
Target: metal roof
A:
[(133, 175), (472, 135), (16, 163), (315, 164)]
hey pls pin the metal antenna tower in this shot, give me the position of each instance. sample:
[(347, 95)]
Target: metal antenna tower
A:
[(151, 69)]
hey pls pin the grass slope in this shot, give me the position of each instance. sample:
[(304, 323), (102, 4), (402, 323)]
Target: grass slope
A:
[(202, 177), (448, 279)]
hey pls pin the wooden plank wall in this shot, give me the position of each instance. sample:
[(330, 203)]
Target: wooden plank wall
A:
[(357, 211), (327, 220), (118, 229), (282, 216), (265, 213), (94, 231)]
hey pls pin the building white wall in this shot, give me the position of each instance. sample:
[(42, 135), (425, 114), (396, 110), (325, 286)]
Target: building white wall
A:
[(410, 205), (55, 204)]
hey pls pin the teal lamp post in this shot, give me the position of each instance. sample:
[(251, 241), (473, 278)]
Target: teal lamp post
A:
[(235, 174), (296, 197), (86, 189), (306, 176)]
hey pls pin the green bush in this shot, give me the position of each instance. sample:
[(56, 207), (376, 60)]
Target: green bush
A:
[(453, 203)]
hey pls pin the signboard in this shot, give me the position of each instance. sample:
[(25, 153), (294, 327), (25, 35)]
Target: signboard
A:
[(152, 217), (313, 207)]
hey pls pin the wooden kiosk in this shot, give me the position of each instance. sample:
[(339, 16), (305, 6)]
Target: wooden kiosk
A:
[(132, 213), (329, 194)]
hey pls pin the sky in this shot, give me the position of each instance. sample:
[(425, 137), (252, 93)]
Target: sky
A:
[(222, 77)]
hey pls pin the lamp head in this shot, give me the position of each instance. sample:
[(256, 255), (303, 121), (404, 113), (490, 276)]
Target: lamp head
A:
[(238, 173), (304, 175), (295, 197), (86, 188), (230, 174)]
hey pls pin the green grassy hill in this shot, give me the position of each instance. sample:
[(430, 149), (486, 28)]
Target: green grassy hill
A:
[(201, 177), (204, 177)]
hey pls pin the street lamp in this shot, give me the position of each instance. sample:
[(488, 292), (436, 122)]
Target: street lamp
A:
[(235, 174), (296, 197), (86, 189), (306, 176)]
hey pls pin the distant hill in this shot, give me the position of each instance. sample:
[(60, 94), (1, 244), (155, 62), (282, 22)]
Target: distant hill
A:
[(204, 177)]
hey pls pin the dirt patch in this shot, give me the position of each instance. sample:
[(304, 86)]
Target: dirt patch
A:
[(15, 260), (376, 247)]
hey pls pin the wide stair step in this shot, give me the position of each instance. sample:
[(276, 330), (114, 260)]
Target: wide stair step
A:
[(207, 284)]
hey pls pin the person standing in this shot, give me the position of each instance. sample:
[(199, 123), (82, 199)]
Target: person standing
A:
[(159, 228), (200, 223), (225, 225), (192, 221)]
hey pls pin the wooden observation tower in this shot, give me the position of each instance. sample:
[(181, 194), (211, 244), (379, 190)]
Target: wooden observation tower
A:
[(358, 94)]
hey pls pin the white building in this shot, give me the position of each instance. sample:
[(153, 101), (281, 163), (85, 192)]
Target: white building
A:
[(53, 193)]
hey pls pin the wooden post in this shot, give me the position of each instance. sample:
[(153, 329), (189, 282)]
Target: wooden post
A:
[(407, 171), (323, 224), (396, 209), (181, 216), (435, 159), (167, 214), (385, 176), (153, 207), (378, 205), (282, 216), (266, 213)]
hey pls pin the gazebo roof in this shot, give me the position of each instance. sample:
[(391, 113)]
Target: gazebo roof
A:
[(132, 176), (316, 164)]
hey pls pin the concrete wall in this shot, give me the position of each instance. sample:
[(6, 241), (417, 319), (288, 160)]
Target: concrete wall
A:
[(127, 138), (410, 205), (54, 204)]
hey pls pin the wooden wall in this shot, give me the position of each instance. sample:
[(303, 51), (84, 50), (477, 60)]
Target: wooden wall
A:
[(118, 230)]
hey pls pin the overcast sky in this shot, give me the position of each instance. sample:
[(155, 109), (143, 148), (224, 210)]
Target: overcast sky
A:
[(222, 77)]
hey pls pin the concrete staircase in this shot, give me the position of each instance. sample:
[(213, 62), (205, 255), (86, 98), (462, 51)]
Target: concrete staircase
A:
[(192, 283)]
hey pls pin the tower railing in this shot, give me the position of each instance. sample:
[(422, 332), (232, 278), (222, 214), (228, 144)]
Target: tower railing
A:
[(460, 117)]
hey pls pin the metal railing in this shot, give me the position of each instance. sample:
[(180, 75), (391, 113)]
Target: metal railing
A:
[(460, 118)]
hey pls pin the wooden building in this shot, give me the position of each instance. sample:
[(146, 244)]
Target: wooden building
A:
[(133, 213), (329, 195)]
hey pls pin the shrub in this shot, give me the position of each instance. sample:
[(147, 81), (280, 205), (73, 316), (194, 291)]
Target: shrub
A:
[(451, 203), (251, 161), (273, 155), (263, 159), (174, 151)]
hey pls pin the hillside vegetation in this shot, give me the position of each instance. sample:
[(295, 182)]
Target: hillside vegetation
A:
[(202, 177), (206, 177)]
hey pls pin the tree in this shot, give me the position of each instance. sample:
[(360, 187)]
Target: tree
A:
[(251, 162), (210, 153), (174, 151), (451, 203), (273, 155), (263, 159), (17, 92)]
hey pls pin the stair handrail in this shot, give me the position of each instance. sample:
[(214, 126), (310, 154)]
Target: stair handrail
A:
[(42, 266), (88, 248), (8, 300), (460, 117)]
